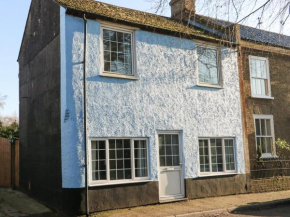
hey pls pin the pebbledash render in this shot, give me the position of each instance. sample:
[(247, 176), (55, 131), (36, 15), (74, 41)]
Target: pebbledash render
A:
[(163, 109)]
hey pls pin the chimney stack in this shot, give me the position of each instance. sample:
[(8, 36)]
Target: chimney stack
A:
[(182, 9)]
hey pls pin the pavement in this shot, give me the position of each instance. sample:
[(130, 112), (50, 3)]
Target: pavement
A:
[(235, 205), (17, 204)]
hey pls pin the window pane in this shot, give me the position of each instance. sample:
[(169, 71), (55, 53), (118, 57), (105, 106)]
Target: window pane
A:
[(175, 149), (127, 143), (128, 174), (107, 46), (229, 152), (120, 37), (113, 164), (263, 127), (203, 156), (120, 150), (168, 139), (113, 175), (257, 123), (169, 161), (216, 155), (98, 160), (103, 175), (268, 144), (175, 139), (168, 150), (268, 124), (140, 154), (117, 52), (208, 65), (107, 56), (102, 165)]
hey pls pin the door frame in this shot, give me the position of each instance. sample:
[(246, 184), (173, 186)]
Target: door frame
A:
[(182, 179)]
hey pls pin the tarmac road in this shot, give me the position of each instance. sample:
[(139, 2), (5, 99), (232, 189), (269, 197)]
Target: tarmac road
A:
[(279, 211)]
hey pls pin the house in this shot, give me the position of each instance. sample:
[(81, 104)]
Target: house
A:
[(263, 68), (122, 108)]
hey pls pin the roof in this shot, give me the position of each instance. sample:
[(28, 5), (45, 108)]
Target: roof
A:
[(252, 34), (258, 35), (134, 17)]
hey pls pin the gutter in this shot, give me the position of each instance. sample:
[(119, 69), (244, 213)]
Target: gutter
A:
[(85, 116)]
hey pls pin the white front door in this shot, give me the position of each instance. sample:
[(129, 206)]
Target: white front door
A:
[(171, 182)]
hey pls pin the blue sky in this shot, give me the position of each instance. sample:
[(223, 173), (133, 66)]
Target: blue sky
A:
[(13, 14)]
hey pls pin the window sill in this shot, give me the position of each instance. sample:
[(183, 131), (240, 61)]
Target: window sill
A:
[(113, 75), (120, 183), (210, 86), (262, 97), (269, 157), (217, 174)]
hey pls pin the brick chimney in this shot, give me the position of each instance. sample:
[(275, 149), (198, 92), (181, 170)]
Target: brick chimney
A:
[(182, 9)]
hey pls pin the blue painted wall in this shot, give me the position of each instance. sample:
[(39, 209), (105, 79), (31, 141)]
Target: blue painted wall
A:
[(166, 97)]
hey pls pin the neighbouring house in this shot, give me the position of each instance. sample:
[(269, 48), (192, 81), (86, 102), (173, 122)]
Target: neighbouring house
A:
[(263, 65), (157, 118)]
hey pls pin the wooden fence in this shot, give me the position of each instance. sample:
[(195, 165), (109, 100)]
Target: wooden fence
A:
[(9, 163)]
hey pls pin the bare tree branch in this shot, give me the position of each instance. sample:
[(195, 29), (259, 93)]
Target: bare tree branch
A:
[(247, 12), (2, 100)]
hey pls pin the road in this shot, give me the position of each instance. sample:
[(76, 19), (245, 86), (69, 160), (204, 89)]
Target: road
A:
[(279, 211)]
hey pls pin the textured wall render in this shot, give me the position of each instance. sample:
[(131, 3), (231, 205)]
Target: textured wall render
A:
[(166, 97)]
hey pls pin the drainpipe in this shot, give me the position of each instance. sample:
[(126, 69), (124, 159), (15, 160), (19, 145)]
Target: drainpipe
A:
[(85, 117), (12, 142)]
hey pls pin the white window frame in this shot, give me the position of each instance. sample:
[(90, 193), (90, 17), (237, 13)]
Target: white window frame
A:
[(123, 29), (123, 181), (271, 118), (269, 96), (225, 171), (220, 75)]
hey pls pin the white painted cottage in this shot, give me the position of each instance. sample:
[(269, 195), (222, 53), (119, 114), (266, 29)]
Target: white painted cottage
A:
[(159, 117)]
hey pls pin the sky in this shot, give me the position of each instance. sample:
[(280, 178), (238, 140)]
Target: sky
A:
[(13, 14)]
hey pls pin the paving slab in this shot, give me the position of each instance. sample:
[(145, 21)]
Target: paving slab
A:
[(17, 204)]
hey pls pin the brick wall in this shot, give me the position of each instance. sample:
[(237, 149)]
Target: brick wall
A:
[(279, 107), (270, 184)]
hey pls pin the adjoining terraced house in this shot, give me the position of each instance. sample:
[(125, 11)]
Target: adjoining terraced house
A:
[(158, 117), (263, 68)]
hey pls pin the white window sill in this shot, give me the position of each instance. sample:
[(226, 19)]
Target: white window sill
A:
[(119, 183), (210, 86), (217, 174), (114, 75), (262, 97), (269, 157)]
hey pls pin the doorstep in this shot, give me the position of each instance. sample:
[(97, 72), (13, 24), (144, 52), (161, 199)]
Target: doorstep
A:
[(173, 200)]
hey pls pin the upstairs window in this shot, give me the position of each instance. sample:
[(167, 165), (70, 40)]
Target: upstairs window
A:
[(208, 66), (117, 51), (264, 129), (216, 155), (260, 79)]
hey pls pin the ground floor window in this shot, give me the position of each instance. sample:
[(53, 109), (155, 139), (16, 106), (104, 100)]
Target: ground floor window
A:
[(264, 130), (217, 155), (118, 160)]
